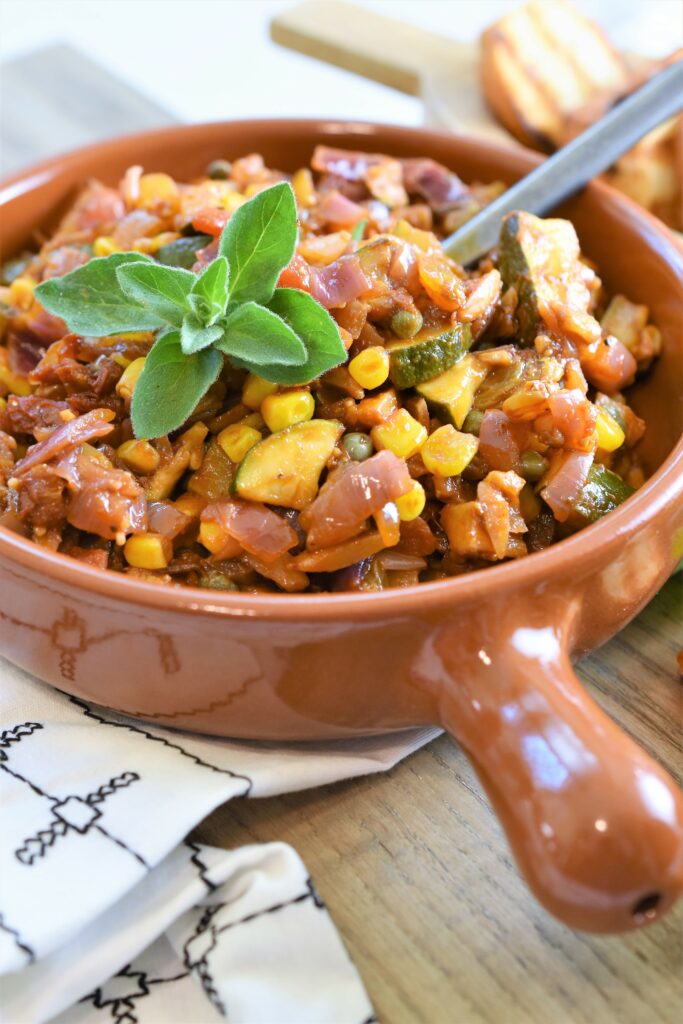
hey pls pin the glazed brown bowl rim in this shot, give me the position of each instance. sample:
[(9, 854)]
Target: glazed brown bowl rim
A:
[(665, 484)]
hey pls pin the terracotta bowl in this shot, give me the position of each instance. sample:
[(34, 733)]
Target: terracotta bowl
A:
[(595, 824)]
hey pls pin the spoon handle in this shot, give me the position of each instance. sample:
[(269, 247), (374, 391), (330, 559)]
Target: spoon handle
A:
[(575, 164)]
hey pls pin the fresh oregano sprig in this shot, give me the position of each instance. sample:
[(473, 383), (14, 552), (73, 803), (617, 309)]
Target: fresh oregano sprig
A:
[(232, 309)]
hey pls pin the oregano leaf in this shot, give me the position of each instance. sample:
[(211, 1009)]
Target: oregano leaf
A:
[(194, 336), (258, 242), (211, 289), (171, 385), (91, 301), (163, 290), (316, 329), (254, 336)]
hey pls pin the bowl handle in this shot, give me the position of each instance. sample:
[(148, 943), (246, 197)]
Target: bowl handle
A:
[(595, 824)]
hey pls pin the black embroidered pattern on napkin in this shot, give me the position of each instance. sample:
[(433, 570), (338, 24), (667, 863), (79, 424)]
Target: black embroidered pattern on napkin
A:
[(207, 934), (73, 813), (200, 865), (15, 735), (18, 941), (80, 814), (89, 713), (119, 1001)]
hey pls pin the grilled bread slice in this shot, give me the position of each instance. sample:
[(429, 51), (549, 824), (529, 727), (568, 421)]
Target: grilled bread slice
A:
[(541, 63), (548, 73)]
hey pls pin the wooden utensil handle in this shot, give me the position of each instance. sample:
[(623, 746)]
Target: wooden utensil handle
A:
[(369, 44)]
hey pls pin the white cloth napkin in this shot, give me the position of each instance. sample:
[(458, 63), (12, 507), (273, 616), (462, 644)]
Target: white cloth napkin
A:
[(109, 913)]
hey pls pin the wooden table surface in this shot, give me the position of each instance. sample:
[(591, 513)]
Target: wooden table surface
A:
[(412, 863), (415, 872)]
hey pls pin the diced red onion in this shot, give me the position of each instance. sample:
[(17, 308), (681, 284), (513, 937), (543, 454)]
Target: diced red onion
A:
[(338, 211), (566, 483), (434, 182), (87, 427), (352, 494), (501, 441), (257, 528)]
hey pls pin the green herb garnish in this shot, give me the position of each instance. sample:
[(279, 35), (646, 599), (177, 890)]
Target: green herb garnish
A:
[(232, 310)]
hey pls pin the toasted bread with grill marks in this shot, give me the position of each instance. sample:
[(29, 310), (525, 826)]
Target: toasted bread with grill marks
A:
[(542, 62), (548, 73)]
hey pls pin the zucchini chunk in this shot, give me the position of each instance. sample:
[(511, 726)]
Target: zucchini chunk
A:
[(284, 469), (427, 355), (451, 394), (602, 492), (533, 255)]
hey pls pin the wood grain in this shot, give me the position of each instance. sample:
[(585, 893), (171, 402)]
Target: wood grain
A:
[(444, 71), (415, 872), (387, 50)]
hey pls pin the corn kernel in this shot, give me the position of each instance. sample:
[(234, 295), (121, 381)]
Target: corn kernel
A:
[(67, 415), (303, 186), (255, 390), (140, 456), (217, 540), (191, 505), (610, 434), (152, 245), (129, 378), (410, 505), (21, 292), (13, 383), (232, 201), (148, 551), (370, 368), (237, 439), (447, 452), (155, 189), (280, 411), (105, 246), (401, 434), (121, 360)]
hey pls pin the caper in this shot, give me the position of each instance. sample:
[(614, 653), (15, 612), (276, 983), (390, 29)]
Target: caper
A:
[(14, 268), (213, 580), (473, 421), (358, 446), (405, 324), (533, 466), (219, 170)]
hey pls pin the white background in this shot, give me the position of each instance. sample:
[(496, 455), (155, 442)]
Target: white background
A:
[(213, 60)]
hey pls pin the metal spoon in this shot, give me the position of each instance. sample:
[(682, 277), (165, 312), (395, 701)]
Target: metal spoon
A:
[(572, 167)]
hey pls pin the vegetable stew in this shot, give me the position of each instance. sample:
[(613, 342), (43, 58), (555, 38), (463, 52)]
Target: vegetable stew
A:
[(267, 383)]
